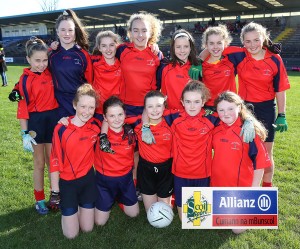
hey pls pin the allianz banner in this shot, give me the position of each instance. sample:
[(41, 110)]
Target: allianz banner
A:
[(229, 208)]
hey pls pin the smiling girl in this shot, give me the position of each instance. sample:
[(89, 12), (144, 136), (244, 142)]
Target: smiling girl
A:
[(262, 80), (174, 75), (70, 63), (72, 159), (37, 113)]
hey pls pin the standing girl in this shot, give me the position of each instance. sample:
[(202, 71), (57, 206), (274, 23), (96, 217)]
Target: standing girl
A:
[(192, 134), (173, 76), (72, 159), (217, 71), (107, 68), (242, 163), (114, 171), (138, 63), (155, 161), (70, 64), (262, 79), (37, 112)]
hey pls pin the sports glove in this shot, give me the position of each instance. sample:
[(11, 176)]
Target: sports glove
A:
[(54, 202), (208, 111), (195, 72), (15, 96), (274, 47), (280, 123), (147, 135), (27, 142), (248, 131), (105, 144), (128, 133)]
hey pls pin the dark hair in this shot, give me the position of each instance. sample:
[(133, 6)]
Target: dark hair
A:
[(196, 86), (154, 93), (35, 44), (193, 54), (81, 36), (112, 101)]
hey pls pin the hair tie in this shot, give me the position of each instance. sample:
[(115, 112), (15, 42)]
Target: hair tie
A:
[(181, 34), (65, 13)]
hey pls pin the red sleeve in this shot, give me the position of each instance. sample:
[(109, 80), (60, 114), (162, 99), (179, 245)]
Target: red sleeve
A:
[(56, 152), (88, 74), (22, 112), (262, 159), (281, 81)]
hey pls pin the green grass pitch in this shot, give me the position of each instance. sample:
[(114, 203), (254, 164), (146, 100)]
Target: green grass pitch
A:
[(22, 227)]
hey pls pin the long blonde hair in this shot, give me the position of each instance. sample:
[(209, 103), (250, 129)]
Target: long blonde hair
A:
[(245, 113)]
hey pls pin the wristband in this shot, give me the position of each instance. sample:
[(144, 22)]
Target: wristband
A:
[(281, 115), (146, 126), (23, 132)]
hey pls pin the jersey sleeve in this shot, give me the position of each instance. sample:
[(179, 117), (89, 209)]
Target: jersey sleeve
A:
[(22, 112), (120, 50), (88, 74), (235, 54), (159, 74), (281, 81), (258, 154), (56, 156)]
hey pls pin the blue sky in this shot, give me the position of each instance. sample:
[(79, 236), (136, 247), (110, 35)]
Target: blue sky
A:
[(18, 7)]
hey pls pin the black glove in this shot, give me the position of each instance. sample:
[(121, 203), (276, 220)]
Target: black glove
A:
[(54, 202), (274, 47), (15, 96), (129, 133), (105, 144)]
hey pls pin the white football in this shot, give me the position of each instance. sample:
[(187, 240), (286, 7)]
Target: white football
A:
[(160, 214)]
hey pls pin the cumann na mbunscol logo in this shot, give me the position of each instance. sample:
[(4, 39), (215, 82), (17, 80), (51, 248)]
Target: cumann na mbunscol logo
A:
[(197, 209)]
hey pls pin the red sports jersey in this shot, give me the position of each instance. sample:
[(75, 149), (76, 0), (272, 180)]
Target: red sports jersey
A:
[(259, 80), (117, 164), (37, 91), (192, 148), (161, 150), (138, 72), (218, 78), (173, 80), (73, 149), (234, 161), (107, 79)]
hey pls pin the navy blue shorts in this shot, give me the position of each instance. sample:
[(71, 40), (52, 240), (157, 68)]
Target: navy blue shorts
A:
[(155, 178), (110, 189), (185, 182), (79, 192), (265, 112), (43, 123), (132, 110)]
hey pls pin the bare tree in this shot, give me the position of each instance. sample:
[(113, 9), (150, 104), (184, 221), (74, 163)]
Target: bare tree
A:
[(48, 5)]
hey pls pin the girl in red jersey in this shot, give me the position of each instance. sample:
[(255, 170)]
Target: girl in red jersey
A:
[(106, 67), (242, 163), (72, 159), (138, 63), (262, 79), (174, 75), (70, 63), (217, 71), (114, 171), (37, 112), (192, 134), (154, 171)]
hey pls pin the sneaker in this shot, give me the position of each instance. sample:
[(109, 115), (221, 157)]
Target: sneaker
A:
[(41, 208)]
